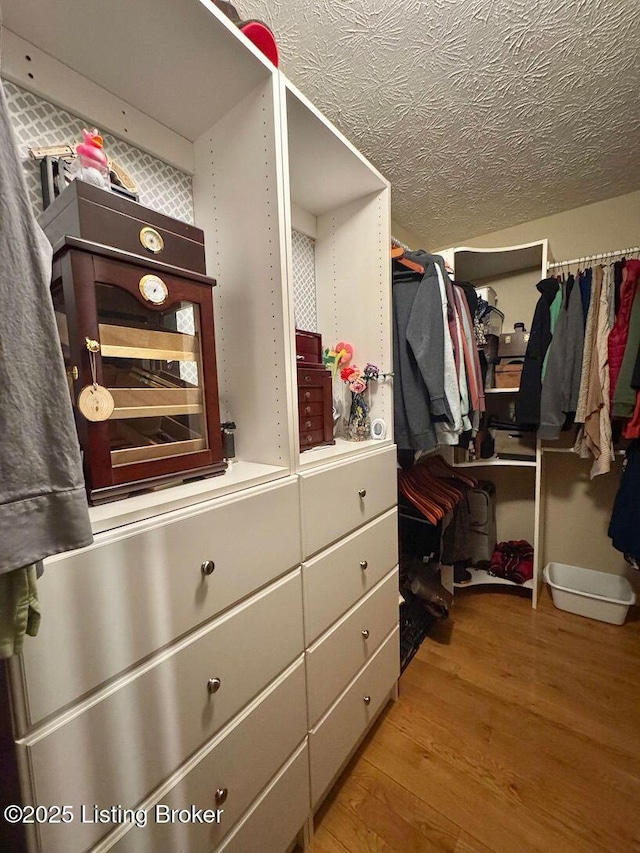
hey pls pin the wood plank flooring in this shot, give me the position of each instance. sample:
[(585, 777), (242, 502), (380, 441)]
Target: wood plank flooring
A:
[(516, 731)]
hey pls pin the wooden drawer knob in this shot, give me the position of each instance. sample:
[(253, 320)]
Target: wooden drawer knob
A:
[(208, 567), (365, 634), (366, 700), (364, 564), (221, 795), (362, 493), (213, 685)]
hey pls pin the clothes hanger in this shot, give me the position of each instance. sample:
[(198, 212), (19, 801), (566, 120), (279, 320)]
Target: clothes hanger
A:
[(397, 254)]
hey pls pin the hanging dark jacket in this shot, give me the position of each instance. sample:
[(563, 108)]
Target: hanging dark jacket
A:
[(528, 399), (418, 356)]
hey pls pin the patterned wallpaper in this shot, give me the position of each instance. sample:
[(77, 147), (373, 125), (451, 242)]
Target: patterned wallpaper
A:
[(481, 113), (160, 186), (304, 281), (37, 122)]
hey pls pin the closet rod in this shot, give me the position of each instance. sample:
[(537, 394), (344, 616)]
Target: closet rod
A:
[(399, 244), (634, 250)]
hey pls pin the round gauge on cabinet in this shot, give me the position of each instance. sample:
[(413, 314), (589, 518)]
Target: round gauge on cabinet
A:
[(151, 240), (153, 289)]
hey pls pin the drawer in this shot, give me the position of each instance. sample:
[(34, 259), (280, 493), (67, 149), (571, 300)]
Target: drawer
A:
[(310, 410), (311, 423), (118, 601), (355, 491), (310, 395), (337, 578), (311, 439), (94, 214), (124, 745), (334, 660), (243, 762), (310, 377), (273, 823), (331, 743), (309, 345)]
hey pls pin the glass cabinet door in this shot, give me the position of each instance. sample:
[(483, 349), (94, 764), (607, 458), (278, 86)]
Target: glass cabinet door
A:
[(152, 365)]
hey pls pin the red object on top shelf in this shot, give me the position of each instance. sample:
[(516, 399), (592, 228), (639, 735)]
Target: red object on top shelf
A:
[(263, 38)]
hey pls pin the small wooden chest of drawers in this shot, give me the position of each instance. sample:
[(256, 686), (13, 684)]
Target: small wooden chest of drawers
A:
[(315, 406)]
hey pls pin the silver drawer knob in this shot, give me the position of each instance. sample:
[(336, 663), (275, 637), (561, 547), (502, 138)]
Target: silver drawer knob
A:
[(363, 564), (207, 567), (307, 424), (366, 700), (213, 685), (365, 634), (221, 795), (307, 395), (307, 410), (362, 493), (307, 379)]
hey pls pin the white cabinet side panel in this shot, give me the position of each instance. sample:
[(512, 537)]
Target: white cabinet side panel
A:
[(354, 289), (238, 202)]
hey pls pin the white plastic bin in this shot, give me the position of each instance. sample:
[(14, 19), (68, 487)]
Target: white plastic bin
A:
[(597, 595)]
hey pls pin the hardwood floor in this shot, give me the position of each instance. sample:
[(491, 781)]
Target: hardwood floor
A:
[(516, 731)]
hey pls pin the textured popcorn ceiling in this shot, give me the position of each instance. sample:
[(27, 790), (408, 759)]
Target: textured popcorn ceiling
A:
[(481, 113)]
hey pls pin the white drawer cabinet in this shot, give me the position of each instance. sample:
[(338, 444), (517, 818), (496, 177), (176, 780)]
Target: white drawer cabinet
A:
[(338, 577), (133, 592), (275, 820), (164, 713), (334, 660), (238, 766), (339, 498), (332, 740)]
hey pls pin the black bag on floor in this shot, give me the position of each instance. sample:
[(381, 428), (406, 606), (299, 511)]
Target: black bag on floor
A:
[(482, 523)]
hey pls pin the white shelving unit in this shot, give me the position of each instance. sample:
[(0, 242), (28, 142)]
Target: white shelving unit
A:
[(480, 577), (513, 272), (339, 200), (142, 628), (496, 462)]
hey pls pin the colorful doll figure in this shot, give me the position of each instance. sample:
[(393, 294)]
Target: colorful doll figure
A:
[(91, 164)]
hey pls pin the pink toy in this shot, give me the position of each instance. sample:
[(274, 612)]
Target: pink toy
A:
[(92, 164)]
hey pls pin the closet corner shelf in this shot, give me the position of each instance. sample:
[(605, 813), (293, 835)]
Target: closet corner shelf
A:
[(495, 462), (545, 449), (480, 577)]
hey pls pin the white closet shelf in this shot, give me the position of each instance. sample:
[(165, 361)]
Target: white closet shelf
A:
[(476, 264), (480, 577), (186, 96), (571, 450), (496, 462), (326, 171), (239, 475), (327, 453), (501, 390)]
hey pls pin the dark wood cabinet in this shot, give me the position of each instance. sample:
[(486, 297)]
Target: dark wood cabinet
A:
[(315, 393), (144, 331)]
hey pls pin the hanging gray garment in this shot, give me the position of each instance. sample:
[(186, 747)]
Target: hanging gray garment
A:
[(43, 506), (561, 385)]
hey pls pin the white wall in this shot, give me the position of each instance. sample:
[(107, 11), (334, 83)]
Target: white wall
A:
[(600, 227), (413, 241)]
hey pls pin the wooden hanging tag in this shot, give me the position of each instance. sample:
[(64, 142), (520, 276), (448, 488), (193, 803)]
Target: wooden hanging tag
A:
[(96, 403)]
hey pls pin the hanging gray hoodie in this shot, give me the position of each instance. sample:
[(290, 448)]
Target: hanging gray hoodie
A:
[(43, 506)]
